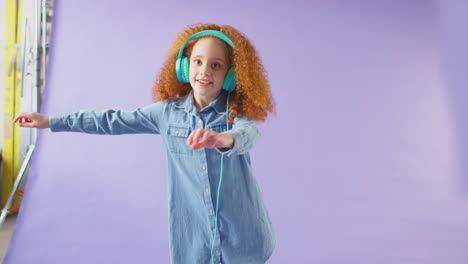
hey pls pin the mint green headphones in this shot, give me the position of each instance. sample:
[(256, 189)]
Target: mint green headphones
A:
[(182, 63)]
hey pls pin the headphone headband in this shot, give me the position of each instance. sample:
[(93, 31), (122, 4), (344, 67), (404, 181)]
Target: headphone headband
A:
[(214, 33)]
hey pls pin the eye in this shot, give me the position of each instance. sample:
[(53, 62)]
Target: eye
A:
[(216, 65), (197, 61)]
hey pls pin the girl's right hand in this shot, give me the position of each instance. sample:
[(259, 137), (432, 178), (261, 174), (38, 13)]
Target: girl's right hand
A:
[(32, 119)]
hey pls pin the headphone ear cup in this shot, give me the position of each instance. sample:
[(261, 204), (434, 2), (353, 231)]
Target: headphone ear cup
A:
[(185, 69), (229, 83), (182, 70)]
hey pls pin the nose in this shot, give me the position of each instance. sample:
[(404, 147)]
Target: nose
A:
[(205, 70)]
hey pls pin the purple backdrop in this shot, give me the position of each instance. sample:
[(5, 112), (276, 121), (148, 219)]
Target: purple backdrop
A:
[(362, 162)]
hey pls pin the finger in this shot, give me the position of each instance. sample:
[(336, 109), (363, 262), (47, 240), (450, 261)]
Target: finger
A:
[(189, 139), (23, 117), (206, 141), (25, 125), (198, 145), (201, 144), (197, 135), (18, 118), (208, 134)]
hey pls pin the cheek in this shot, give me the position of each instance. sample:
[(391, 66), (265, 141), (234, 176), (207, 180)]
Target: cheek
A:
[(192, 72), (220, 77), (191, 78)]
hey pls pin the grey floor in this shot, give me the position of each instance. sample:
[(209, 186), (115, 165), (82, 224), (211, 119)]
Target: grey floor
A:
[(5, 234)]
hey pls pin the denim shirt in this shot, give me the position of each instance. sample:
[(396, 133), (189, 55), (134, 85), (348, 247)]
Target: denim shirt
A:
[(245, 233)]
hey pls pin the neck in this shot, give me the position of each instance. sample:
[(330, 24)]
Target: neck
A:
[(203, 101)]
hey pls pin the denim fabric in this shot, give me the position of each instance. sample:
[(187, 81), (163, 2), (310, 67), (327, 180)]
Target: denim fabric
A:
[(245, 231)]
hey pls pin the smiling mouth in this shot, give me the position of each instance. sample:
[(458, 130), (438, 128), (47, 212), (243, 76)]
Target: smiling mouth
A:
[(203, 82)]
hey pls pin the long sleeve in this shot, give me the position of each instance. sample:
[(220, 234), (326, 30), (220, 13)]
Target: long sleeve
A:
[(143, 120), (245, 134)]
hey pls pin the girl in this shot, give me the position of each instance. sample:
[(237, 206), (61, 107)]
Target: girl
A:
[(210, 91)]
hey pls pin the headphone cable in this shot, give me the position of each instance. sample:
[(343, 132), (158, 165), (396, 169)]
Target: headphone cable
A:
[(219, 184)]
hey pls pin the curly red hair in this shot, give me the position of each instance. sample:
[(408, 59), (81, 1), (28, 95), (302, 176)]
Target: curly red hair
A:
[(251, 98)]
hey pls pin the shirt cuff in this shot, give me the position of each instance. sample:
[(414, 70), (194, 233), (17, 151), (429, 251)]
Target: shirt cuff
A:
[(56, 124), (235, 146)]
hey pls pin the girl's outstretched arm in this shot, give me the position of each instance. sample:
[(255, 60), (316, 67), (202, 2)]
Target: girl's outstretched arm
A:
[(32, 119), (109, 122)]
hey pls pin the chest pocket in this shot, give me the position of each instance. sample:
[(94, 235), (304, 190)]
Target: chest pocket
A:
[(177, 139)]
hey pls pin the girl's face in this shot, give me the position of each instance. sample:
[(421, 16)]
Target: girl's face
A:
[(208, 67)]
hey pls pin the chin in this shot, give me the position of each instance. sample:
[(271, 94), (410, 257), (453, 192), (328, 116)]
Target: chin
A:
[(206, 91)]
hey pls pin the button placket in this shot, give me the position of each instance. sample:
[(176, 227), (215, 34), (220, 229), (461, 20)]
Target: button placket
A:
[(206, 188), (199, 123), (203, 170)]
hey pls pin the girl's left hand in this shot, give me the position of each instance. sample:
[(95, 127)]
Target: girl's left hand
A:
[(206, 138)]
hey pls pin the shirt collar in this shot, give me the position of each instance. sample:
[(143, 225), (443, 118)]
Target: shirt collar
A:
[(188, 104)]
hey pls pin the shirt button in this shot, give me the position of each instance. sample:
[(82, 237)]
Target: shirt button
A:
[(177, 132), (211, 211), (199, 121), (203, 168), (217, 252), (207, 190)]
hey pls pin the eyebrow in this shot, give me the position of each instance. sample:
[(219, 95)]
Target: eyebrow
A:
[(216, 58)]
